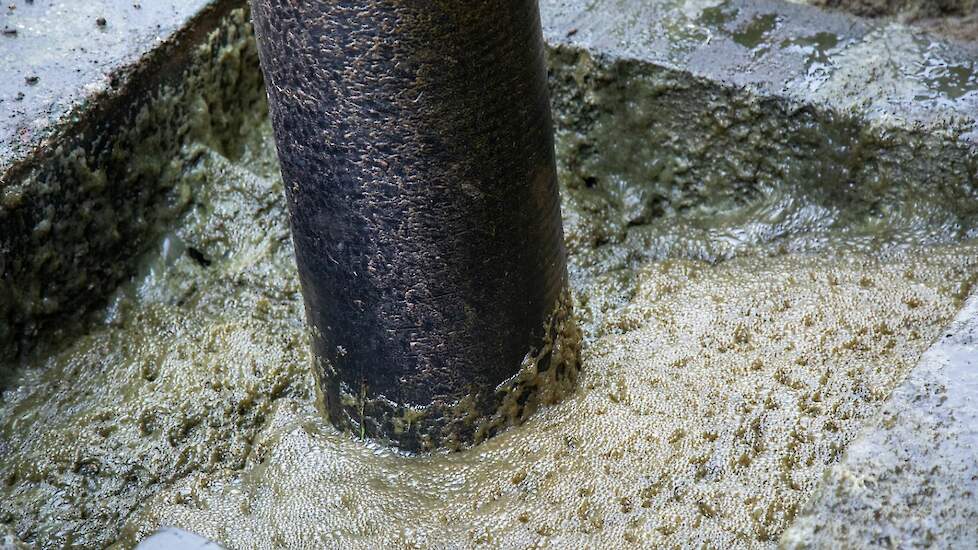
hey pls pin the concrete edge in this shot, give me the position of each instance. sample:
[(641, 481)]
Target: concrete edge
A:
[(106, 68), (909, 478), (889, 75), (76, 209)]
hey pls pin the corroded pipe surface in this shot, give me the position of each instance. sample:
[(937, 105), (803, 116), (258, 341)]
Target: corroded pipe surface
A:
[(416, 146)]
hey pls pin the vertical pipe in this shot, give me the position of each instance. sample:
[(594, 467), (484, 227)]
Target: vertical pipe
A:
[(416, 147)]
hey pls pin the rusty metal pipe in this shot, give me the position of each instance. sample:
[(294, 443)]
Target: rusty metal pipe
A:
[(416, 147)]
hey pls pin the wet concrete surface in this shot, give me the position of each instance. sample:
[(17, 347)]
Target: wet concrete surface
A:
[(909, 480), (954, 19), (888, 74), (82, 191), (57, 56)]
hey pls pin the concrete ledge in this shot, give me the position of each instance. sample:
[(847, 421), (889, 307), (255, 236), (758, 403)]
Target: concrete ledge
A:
[(909, 480), (886, 74), (65, 61), (702, 106), (88, 176)]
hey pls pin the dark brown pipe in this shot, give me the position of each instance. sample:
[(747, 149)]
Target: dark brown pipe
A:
[(416, 147)]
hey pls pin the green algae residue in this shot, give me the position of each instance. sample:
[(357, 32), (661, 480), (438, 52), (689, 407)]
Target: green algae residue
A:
[(755, 35)]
